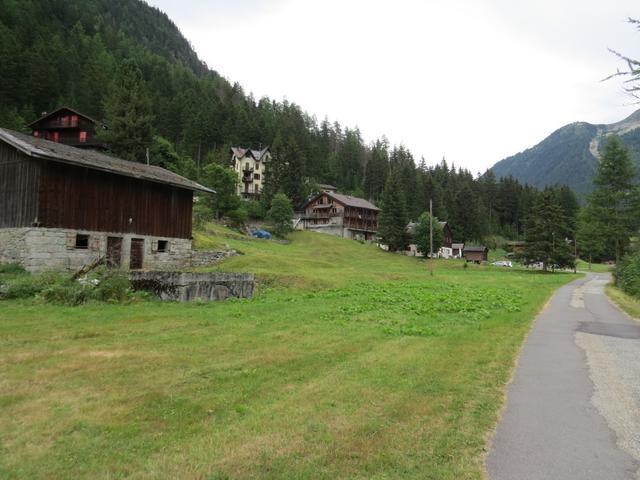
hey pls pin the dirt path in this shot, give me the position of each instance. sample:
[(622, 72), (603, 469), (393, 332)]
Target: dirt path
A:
[(573, 408)]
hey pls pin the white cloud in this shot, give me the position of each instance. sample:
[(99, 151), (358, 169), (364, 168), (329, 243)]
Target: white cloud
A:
[(473, 80)]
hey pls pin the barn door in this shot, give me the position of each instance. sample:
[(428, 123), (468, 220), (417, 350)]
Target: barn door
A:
[(137, 253), (114, 252)]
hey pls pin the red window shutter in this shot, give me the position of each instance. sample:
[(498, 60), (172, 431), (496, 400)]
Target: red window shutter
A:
[(65, 121), (83, 137), (55, 137), (74, 120), (36, 133)]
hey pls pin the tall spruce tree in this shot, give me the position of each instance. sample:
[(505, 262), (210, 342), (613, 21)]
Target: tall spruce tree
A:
[(614, 204), (128, 115), (392, 221), (546, 234)]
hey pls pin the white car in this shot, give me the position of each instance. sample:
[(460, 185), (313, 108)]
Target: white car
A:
[(503, 263)]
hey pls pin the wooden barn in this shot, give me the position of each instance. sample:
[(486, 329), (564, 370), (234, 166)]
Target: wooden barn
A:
[(68, 126), (340, 215), (63, 207), (476, 254)]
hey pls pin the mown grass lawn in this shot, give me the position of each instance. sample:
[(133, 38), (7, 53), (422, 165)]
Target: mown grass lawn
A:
[(349, 363)]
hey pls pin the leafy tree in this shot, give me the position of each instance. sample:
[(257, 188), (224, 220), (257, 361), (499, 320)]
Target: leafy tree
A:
[(392, 220), (614, 205), (547, 234), (281, 214), (422, 234), (128, 115), (224, 181)]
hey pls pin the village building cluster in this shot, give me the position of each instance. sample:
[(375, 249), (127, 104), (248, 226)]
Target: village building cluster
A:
[(65, 204)]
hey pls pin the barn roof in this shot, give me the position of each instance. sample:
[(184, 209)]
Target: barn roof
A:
[(47, 115), (58, 152), (240, 152), (475, 249)]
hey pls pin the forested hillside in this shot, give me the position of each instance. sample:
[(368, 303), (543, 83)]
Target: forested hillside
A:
[(567, 155), (55, 52)]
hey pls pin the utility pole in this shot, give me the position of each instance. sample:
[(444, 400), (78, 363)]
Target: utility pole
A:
[(431, 236)]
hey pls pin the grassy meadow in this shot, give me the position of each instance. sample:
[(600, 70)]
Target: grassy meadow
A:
[(350, 362)]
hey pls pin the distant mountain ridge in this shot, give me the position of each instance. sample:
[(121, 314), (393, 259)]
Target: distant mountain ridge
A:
[(569, 155)]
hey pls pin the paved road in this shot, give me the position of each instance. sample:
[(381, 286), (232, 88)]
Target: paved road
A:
[(572, 408)]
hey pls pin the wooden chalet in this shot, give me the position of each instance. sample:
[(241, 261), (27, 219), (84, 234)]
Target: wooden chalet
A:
[(447, 235), (68, 126), (340, 215), (63, 207)]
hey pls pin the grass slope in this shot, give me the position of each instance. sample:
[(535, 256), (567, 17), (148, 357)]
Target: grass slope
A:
[(627, 303), (349, 363)]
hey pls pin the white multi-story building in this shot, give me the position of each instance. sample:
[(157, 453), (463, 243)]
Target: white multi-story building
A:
[(249, 165)]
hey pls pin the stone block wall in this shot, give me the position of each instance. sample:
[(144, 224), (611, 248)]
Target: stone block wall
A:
[(184, 287), (39, 249)]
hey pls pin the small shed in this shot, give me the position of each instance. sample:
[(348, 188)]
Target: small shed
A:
[(476, 254)]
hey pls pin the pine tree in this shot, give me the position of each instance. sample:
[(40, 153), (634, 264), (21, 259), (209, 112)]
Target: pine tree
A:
[(547, 234), (128, 115), (392, 221), (614, 203)]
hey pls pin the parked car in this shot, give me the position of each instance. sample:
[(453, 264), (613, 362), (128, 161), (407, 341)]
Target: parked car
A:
[(503, 263)]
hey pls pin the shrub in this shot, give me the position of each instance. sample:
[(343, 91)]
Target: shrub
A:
[(238, 217), (201, 214), (113, 287), (29, 286), (67, 293), (11, 269), (627, 274), (255, 210)]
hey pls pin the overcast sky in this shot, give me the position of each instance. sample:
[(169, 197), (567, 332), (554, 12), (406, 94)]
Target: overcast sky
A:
[(472, 80)]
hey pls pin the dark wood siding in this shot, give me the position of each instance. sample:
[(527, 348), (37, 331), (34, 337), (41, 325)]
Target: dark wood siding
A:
[(19, 180), (84, 199)]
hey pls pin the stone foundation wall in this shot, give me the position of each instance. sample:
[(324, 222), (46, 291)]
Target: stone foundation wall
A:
[(12, 245), (201, 258), (184, 287), (39, 249)]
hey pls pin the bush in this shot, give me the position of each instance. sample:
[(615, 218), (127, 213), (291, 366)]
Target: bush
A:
[(113, 287), (67, 293), (29, 286), (255, 210), (58, 288), (238, 217), (627, 275), (201, 214), (11, 269)]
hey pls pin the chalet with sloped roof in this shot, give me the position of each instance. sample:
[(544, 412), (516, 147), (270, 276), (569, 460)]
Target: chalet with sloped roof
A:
[(340, 215), (68, 126)]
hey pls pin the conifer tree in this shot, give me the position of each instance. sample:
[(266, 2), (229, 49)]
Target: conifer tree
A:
[(614, 204), (547, 234), (128, 115), (392, 220)]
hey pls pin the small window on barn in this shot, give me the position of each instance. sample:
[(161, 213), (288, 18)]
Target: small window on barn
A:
[(82, 241), (163, 246), (74, 120), (83, 137)]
